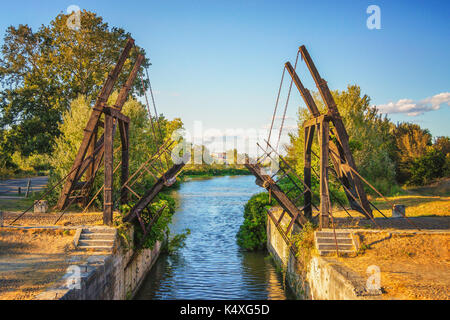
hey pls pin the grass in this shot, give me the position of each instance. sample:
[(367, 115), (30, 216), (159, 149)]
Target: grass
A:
[(427, 201), (416, 206), (15, 205)]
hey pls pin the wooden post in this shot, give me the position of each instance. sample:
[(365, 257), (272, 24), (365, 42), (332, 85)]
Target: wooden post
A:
[(324, 135), (109, 175), (125, 136), (309, 136), (28, 188)]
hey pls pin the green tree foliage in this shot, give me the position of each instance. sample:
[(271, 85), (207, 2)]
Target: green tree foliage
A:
[(428, 167), (252, 234), (42, 71), (411, 143), (369, 134)]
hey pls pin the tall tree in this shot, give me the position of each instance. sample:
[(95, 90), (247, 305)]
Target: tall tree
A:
[(412, 142), (42, 71)]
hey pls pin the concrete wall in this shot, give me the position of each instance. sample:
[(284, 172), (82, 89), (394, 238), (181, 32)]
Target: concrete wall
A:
[(117, 276), (322, 279)]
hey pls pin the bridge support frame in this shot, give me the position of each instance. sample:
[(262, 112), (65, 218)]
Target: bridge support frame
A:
[(320, 124)]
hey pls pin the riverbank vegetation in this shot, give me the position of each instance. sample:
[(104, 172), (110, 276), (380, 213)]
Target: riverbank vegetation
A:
[(396, 158), (215, 170), (252, 234)]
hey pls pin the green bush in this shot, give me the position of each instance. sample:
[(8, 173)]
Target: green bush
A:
[(430, 166), (252, 234)]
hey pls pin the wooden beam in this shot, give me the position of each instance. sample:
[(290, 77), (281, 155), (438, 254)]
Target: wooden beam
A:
[(124, 135), (115, 113), (303, 91), (109, 174), (153, 192), (317, 120), (309, 137), (279, 195), (324, 135)]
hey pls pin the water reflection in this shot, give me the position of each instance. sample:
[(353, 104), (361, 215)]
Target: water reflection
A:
[(212, 266)]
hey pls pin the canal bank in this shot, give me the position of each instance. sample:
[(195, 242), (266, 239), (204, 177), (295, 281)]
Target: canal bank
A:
[(319, 278), (105, 276)]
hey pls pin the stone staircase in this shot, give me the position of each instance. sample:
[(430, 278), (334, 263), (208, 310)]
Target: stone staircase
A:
[(96, 239), (326, 242)]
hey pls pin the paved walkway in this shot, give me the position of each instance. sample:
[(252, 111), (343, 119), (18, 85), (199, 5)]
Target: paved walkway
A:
[(9, 188)]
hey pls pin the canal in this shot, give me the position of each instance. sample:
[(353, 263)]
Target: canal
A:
[(212, 266)]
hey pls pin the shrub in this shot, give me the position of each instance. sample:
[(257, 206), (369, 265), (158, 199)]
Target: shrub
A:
[(252, 234), (428, 167)]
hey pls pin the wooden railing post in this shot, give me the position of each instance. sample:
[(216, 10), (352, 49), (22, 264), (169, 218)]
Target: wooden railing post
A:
[(109, 175), (324, 135), (125, 136), (309, 136)]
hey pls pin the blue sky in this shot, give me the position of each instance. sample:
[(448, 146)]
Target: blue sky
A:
[(220, 62)]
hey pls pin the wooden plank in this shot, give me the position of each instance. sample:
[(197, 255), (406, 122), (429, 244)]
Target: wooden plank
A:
[(324, 135), (309, 137), (303, 91), (92, 124), (109, 175), (341, 132), (153, 192), (280, 196), (124, 136), (317, 120), (116, 114)]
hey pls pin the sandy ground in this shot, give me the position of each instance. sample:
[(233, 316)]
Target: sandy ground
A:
[(31, 260), (413, 266), (48, 219)]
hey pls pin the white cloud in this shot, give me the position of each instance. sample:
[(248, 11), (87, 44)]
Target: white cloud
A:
[(414, 108)]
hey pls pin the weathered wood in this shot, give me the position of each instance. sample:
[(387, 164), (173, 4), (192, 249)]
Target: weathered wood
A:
[(317, 120), (279, 195), (324, 135), (109, 174), (92, 124), (341, 132), (309, 137), (116, 114), (124, 135), (303, 91), (153, 192)]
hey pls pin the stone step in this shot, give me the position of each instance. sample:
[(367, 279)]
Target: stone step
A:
[(322, 247), (330, 234), (96, 248), (97, 236), (106, 243), (333, 252), (97, 231), (333, 241)]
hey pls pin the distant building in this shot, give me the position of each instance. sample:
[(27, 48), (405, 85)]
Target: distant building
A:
[(220, 157)]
